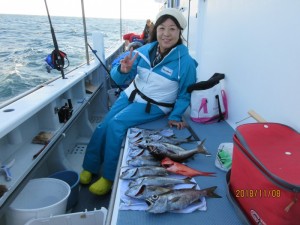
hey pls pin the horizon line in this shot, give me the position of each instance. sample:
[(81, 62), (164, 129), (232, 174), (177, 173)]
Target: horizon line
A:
[(91, 17)]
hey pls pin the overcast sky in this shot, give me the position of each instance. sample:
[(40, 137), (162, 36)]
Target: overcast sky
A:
[(131, 9)]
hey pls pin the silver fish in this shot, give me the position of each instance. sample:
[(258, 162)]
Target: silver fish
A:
[(161, 139), (162, 146), (134, 146), (147, 160), (175, 140), (174, 152), (134, 173), (159, 181), (146, 191), (178, 199), (135, 132), (138, 152)]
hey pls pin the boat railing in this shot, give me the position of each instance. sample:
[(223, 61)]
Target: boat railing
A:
[(112, 53), (36, 111)]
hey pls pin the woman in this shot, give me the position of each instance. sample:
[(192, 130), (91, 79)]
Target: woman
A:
[(140, 38), (162, 70)]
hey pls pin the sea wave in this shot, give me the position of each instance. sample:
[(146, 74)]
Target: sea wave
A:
[(26, 41)]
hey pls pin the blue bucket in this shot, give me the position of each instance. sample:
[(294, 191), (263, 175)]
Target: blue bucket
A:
[(71, 178)]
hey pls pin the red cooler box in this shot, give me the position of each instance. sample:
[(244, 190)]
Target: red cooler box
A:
[(264, 181)]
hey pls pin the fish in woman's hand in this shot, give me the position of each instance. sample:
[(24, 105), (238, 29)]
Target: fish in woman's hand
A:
[(178, 199)]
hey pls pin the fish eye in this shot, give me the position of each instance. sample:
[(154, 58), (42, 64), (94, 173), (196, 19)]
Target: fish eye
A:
[(166, 165), (154, 197)]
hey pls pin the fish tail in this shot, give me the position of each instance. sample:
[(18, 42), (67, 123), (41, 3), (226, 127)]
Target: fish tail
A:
[(190, 138), (201, 148), (188, 181), (208, 174), (210, 192)]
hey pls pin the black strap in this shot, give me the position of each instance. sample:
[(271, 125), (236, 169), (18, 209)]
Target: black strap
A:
[(146, 98), (221, 116), (132, 95), (203, 85)]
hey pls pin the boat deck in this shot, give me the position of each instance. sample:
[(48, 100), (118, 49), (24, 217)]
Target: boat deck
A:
[(219, 210)]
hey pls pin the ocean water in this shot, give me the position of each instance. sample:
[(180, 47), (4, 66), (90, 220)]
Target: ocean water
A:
[(25, 42)]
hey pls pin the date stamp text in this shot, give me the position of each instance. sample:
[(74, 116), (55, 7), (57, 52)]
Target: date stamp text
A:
[(257, 193)]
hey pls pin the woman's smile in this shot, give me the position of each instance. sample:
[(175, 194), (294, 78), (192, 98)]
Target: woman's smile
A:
[(167, 35)]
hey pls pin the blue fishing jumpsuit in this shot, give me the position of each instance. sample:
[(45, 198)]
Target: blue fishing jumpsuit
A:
[(166, 82)]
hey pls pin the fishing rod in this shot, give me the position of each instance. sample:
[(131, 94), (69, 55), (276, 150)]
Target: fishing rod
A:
[(56, 58), (107, 71)]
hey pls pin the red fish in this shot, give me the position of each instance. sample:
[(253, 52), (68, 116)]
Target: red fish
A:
[(182, 169)]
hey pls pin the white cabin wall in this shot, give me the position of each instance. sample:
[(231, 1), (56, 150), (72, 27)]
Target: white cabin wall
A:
[(256, 44)]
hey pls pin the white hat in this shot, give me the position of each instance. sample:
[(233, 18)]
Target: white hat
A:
[(175, 13)]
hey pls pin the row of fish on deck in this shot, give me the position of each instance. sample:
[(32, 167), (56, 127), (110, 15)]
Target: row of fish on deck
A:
[(156, 178)]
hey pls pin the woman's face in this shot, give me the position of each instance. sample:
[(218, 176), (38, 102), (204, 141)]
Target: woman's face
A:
[(167, 35)]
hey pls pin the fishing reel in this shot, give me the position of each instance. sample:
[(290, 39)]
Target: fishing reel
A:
[(56, 60), (65, 112)]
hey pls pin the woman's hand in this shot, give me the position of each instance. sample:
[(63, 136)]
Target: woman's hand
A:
[(179, 125), (127, 62)]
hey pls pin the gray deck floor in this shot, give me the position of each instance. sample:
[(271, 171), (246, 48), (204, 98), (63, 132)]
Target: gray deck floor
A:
[(219, 212), (88, 201)]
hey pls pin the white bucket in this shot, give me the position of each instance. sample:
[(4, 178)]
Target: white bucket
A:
[(40, 198)]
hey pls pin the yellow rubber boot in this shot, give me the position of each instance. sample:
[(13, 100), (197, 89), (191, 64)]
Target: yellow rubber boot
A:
[(85, 177), (101, 186)]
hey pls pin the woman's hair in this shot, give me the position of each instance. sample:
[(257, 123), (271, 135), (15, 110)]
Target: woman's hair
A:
[(160, 20)]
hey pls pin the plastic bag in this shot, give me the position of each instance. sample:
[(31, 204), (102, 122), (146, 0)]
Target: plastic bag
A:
[(224, 156)]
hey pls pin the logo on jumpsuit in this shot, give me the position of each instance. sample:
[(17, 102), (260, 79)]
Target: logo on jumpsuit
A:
[(167, 70)]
